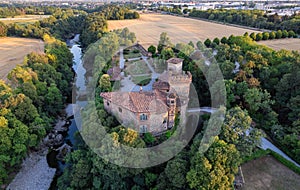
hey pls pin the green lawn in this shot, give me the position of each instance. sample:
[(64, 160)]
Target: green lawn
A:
[(141, 80), (137, 68), (159, 65)]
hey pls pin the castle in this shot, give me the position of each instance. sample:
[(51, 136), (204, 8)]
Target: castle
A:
[(153, 111)]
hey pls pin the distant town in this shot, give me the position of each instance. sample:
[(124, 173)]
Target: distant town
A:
[(281, 7)]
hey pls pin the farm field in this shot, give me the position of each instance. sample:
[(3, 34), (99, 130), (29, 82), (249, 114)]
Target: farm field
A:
[(23, 19), (149, 27), (13, 51), (289, 44), (267, 173)]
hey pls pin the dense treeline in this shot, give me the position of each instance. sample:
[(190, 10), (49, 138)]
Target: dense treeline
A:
[(21, 10), (252, 18), (65, 23), (272, 78), (190, 169), (39, 88)]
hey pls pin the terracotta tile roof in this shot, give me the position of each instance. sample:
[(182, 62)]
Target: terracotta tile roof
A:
[(162, 85), (140, 102), (174, 60)]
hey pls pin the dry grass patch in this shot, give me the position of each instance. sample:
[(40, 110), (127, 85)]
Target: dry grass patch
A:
[(24, 19), (149, 27), (13, 51), (288, 44), (267, 173), (137, 68)]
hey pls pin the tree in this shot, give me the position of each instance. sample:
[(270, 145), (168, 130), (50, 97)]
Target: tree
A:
[(164, 39), (265, 36), (207, 42), (3, 29), (272, 35), (217, 41), (237, 130), (285, 34), (215, 169), (224, 40), (292, 34), (167, 53), (278, 34), (152, 50), (259, 37), (253, 36), (104, 83)]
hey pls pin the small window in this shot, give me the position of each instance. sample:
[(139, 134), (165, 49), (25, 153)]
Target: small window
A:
[(143, 117), (143, 129), (107, 103), (120, 110), (172, 101)]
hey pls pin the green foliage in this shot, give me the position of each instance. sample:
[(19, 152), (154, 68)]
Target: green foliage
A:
[(152, 49), (3, 29), (251, 18), (207, 42)]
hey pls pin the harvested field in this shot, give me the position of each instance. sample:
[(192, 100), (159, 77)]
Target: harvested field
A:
[(13, 51), (149, 27), (288, 44), (23, 19), (267, 173)]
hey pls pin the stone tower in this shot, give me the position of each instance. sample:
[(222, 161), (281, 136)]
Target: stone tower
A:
[(171, 102)]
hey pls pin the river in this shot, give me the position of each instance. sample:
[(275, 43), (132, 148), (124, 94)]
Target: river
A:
[(72, 108)]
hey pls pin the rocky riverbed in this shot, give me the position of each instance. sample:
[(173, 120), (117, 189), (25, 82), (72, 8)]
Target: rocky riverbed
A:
[(35, 173)]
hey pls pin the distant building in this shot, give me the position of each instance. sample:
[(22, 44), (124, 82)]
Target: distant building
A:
[(153, 111)]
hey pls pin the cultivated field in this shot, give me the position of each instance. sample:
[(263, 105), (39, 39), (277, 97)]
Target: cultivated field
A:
[(23, 19), (267, 173), (13, 51), (180, 29), (289, 44)]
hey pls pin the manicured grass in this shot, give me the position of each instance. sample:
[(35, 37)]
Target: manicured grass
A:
[(159, 65), (141, 80), (137, 68)]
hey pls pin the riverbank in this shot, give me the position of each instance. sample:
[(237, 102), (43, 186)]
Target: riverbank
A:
[(35, 173)]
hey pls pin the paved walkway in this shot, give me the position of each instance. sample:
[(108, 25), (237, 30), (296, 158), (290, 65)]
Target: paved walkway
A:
[(265, 144), (129, 86)]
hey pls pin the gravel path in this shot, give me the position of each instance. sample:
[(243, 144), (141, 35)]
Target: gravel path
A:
[(35, 173)]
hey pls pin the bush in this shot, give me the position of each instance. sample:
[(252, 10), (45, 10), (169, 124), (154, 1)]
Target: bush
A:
[(285, 34), (259, 36), (272, 35), (266, 36), (217, 41), (224, 40), (207, 42), (278, 34), (253, 36), (292, 34)]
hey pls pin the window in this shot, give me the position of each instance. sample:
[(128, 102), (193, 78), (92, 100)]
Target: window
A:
[(143, 129), (120, 110), (172, 101), (107, 103), (143, 117)]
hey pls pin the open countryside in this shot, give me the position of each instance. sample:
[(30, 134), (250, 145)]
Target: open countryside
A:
[(288, 44), (149, 26), (13, 51), (23, 19)]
